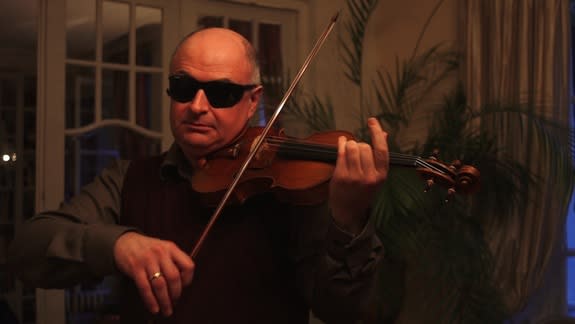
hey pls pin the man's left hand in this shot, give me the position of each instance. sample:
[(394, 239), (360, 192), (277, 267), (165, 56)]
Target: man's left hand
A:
[(359, 170)]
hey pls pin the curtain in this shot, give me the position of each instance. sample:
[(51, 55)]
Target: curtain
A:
[(518, 51)]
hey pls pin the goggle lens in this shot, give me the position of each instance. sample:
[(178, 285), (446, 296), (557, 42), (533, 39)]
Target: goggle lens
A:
[(183, 88)]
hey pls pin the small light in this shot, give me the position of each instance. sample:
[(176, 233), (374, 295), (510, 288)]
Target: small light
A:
[(5, 157), (13, 157)]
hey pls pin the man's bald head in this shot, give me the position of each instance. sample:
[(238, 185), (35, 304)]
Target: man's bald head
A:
[(221, 35)]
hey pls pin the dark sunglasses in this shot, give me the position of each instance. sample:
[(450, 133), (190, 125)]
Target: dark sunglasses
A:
[(221, 94)]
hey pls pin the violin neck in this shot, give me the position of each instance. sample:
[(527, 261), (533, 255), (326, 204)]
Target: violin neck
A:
[(298, 150)]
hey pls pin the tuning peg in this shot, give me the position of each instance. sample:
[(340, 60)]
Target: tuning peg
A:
[(450, 193), (467, 180), (455, 165), (434, 155), (428, 184)]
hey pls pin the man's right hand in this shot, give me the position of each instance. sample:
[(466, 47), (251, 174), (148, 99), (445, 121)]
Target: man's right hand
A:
[(142, 258)]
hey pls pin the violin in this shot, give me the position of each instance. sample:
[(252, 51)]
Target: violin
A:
[(298, 170)]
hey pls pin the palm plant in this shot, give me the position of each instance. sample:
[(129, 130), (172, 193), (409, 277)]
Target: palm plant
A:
[(442, 246)]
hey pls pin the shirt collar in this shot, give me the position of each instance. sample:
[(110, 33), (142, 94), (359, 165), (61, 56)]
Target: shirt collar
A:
[(175, 165)]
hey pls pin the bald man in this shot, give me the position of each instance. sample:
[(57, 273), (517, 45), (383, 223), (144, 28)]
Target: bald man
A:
[(265, 261)]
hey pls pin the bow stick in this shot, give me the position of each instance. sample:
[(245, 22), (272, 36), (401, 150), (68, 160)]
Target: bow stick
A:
[(265, 131)]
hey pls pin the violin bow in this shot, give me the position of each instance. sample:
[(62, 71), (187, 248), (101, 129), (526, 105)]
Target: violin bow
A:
[(319, 43)]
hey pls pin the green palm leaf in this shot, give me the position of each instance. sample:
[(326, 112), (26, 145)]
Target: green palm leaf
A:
[(360, 12)]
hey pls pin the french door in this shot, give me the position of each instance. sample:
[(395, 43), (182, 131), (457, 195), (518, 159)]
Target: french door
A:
[(102, 71)]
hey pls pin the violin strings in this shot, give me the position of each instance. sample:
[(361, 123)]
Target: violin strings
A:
[(303, 146), (297, 146), (309, 146), (329, 152), (324, 152)]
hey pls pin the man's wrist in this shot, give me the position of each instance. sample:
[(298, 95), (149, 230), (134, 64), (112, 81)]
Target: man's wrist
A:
[(350, 223)]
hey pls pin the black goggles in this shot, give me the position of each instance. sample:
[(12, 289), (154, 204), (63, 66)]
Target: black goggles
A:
[(221, 94)]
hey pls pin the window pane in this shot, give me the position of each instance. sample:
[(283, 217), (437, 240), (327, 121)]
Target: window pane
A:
[(116, 31), (30, 92), (7, 179), (149, 100), (271, 65), (242, 27), (8, 112), (8, 93), (79, 96), (81, 29), (570, 231), (115, 94), (88, 154), (7, 279), (571, 282), (148, 36), (270, 49), (210, 21)]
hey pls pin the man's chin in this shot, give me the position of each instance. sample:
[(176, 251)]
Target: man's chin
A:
[(197, 139), (197, 146)]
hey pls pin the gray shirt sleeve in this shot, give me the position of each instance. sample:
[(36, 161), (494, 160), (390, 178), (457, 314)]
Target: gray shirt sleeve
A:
[(75, 243), (336, 271)]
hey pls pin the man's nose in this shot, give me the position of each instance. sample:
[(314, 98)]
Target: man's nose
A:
[(200, 103)]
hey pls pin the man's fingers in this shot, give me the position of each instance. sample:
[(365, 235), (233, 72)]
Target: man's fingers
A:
[(340, 163), (369, 173), (172, 278), (143, 283), (352, 158), (379, 145), (185, 265), (160, 290)]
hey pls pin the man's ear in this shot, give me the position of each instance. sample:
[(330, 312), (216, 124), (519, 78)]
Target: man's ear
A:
[(255, 97)]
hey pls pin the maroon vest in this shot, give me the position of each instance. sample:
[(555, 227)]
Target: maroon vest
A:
[(243, 273)]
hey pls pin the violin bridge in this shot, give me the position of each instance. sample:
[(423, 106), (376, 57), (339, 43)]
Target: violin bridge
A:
[(258, 155)]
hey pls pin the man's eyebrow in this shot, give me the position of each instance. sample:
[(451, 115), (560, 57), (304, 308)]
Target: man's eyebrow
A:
[(223, 80)]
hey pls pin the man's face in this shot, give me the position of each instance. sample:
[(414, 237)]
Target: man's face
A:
[(199, 127)]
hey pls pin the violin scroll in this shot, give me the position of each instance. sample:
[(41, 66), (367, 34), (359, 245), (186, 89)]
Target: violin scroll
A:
[(456, 177)]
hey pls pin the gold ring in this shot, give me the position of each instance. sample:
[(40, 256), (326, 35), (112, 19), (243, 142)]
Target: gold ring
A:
[(156, 276)]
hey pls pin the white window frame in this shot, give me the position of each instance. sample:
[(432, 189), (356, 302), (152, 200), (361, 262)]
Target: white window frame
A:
[(50, 119), (570, 252)]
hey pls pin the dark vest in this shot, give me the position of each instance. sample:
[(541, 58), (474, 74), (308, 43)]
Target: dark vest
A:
[(243, 273)]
